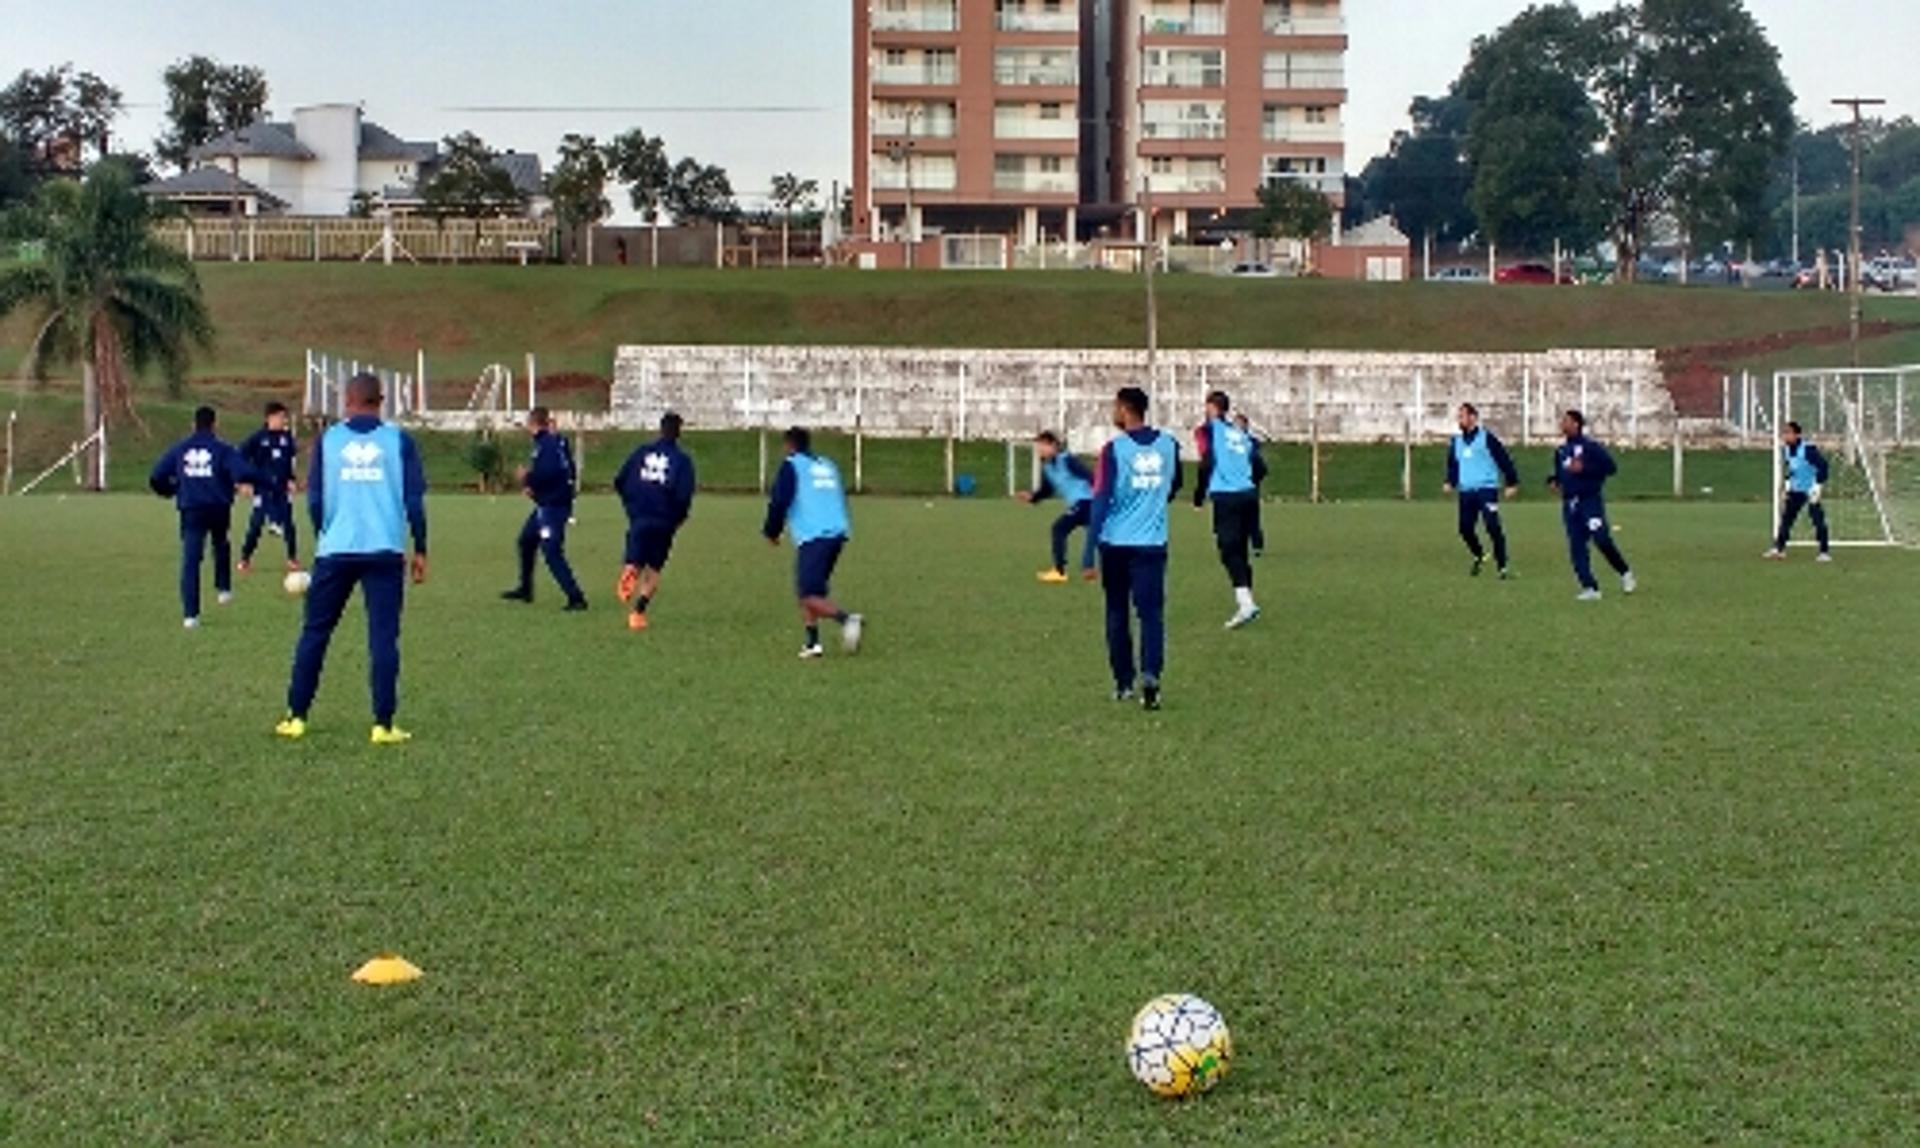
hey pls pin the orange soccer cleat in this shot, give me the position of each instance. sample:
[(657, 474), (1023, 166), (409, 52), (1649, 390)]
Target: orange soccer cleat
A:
[(636, 622)]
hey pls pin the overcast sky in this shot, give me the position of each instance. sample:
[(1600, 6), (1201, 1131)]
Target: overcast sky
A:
[(418, 64)]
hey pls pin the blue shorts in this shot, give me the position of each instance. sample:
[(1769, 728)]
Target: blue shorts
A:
[(813, 566), (649, 545)]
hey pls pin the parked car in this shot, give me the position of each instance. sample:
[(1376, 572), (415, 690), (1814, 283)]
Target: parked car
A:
[(1253, 271), (1532, 275), (1460, 274)]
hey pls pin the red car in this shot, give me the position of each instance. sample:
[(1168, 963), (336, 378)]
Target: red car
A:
[(1531, 275)]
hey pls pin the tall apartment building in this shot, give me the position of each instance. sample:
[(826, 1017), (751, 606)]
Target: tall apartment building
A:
[(1050, 118)]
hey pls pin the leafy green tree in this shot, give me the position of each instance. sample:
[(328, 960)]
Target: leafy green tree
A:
[(1293, 209), (106, 293), (1895, 158), (58, 116), (468, 183), (1903, 212), (16, 182), (700, 192), (1423, 180), (207, 99), (791, 193), (640, 162), (577, 185)]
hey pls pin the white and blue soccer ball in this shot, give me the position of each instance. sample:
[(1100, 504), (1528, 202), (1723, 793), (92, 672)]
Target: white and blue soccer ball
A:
[(1179, 1046), (296, 582)]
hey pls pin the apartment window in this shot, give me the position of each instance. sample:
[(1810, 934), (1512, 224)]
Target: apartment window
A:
[(896, 57), (1186, 68), (1162, 165), (1318, 115), (1050, 164), (1049, 111), (1304, 70)]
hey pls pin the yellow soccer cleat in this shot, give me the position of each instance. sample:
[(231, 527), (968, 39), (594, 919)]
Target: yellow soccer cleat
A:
[(293, 729), (390, 735), (1054, 578)]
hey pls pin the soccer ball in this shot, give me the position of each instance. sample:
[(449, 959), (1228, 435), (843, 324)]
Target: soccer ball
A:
[(1179, 1046), (296, 582)]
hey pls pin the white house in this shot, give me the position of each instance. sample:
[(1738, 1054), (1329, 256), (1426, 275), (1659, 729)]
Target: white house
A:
[(316, 164)]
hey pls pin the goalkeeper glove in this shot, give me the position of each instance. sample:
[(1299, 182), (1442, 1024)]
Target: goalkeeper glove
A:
[(1814, 495)]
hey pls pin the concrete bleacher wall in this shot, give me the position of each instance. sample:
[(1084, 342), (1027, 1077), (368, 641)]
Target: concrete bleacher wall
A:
[(1289, 395)]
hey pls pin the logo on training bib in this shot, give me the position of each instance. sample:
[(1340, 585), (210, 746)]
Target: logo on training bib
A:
[(653, 469), (824, 477), (362, 463), (197, 463), (1149, 472), (1596, 525), (1237, 442)]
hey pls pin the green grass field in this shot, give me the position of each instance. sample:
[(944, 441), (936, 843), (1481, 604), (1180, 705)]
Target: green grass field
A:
[(1462, 862)]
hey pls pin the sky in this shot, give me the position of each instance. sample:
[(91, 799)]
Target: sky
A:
[(419, 67)]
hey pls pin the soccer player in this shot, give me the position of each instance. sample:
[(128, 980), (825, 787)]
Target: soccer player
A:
[(1137, 477), (1258, 534), (200, 473), (1581, 467), (656, 487), (549, 481), (1230, 473), (1478, 466), (367, 493), (272, 452), (1807, 473), (1067, 478), (810, 504)]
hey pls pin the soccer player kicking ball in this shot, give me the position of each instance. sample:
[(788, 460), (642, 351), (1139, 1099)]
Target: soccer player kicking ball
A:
[(200, 473), (1064, 477), (656, 487), (1581, 468), (1230, 474), (1807, 473), (549, 481), (1138, 476), (1477, 467), (367, 493), (271, 453), (810, 504)]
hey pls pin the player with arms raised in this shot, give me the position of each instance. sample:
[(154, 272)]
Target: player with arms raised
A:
[(1138, 475)]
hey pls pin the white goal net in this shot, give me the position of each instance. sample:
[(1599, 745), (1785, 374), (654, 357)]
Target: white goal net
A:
[(1867, 424)]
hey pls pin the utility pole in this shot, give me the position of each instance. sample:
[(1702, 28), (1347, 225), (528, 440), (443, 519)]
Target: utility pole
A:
[(903, 153), (1150, 247), (1856, 290), (1796, 211)]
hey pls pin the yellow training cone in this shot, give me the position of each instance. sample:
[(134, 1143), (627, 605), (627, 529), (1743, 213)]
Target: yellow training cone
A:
[(388, 969)]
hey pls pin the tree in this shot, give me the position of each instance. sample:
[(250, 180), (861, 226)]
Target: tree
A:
[(791, 193), (468, 184), (577, 185), (1532, 130), (1291, 209), (1423, 180), (205, 100), (1903, 210), (57, 116), (1895, 159), (16, 182), (639, 161), (700, 192), (105, 293)]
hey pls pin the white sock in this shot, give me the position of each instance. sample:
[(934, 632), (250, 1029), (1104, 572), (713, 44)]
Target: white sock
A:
[(1244, 596)]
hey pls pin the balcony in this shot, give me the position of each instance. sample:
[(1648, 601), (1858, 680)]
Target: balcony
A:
[(1026, 126), (936, 17), (1184, 130), (1321, 79), (1185, 20), (1037, 75), (926, 177), (1188, 183), (1021, 19), (1303, 20), (929, 74), (1186, 76), (1300, 131), (941, 127), (1326, 183), (1038, 182)]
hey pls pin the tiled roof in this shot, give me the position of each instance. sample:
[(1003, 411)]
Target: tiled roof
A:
[(269, 140), (207, 182)]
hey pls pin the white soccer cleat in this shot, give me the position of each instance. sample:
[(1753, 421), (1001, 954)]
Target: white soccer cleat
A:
[(812, 653), (1244, 618), (1628, 583), (225, 598), (1590, 596), (850, 634), (1824, 557), (191, 624), (1775, 556)]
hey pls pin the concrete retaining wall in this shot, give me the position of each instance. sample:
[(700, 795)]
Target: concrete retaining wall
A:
[(1289, 395)]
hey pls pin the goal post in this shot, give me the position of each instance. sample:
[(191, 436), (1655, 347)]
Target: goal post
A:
[(1867, 424)]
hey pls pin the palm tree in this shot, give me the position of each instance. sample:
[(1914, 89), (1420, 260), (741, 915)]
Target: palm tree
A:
[(640, 161), (104, 293), (789, 193)]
